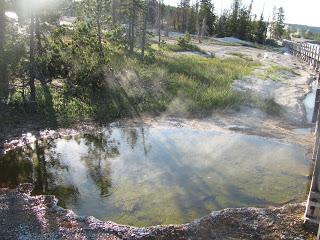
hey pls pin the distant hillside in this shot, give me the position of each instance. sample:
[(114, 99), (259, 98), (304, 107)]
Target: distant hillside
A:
[(304, 28)]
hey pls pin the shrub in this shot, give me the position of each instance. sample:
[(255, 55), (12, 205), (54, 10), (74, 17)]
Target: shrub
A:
[(272, 43), (184, 42)]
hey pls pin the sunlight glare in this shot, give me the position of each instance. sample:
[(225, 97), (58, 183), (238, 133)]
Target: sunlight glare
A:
[(11, 15)]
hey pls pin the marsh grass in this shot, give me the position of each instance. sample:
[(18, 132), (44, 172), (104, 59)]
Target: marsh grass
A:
[(203, 84), (241, 55), (275, 73), (193, 84), (268, 105), (182, 48)]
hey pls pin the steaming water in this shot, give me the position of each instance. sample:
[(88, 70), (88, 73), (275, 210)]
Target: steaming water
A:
[(161, 175)]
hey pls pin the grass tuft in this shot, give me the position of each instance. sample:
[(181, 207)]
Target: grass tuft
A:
[(241, 55), (275, 72)]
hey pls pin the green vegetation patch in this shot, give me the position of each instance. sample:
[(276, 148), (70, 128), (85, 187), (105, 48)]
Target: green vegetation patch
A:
[(200, 84), (178, 48), (165, 81), (276, 72), (183, 44), (267, 105), (241, 55)]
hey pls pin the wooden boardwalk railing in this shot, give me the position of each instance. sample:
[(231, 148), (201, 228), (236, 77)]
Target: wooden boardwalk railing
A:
[(310, 53)]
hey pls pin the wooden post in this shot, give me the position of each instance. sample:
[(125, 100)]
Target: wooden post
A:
[(316, 106), (318, 59), (314, 195)]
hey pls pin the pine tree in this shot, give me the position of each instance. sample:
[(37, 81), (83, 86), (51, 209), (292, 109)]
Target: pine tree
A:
[(279, 26), (261, 29), (206, 12), (185, 8), (222, 25), (233, 21), (274, 22), (243, 23)]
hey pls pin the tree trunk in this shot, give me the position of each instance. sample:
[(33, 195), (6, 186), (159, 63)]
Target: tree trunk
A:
[(99, 33), (144, 28), (38, 35), (38, 68), (32, 60), (113, 9), (198, 21), (159, 22), (131, 25), (3, 65), (203, 29)]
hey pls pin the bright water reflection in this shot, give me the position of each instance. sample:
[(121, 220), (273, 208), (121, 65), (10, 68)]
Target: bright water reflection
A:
[(163, 175), (309, 101)]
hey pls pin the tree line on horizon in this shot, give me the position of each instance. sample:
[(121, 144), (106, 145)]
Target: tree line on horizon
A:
[(238, 21)]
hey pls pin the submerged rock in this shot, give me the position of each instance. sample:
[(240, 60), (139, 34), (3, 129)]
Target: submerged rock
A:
[(23, 216)]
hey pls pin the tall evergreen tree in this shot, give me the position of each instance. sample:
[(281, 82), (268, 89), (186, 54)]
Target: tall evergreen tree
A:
[(273, 22), (280, 25), (207, 15), (184, 9), (222, 25), (233, 21), (260, 30), (243, 24)]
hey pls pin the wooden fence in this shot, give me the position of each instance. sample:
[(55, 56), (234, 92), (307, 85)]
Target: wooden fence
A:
[(312, 213), (310, 53)]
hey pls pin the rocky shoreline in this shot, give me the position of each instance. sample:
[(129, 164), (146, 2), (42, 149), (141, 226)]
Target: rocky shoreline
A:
[(23, 216)]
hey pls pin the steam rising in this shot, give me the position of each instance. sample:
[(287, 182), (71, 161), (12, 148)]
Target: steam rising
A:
[(28, 7)]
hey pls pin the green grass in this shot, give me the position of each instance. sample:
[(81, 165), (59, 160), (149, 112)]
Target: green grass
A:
[(164, 82), (202, 84), (178, 48), (241, 55), (275, 72), (267, 105)]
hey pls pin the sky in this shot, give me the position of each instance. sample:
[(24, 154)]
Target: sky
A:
[(304, 12)]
